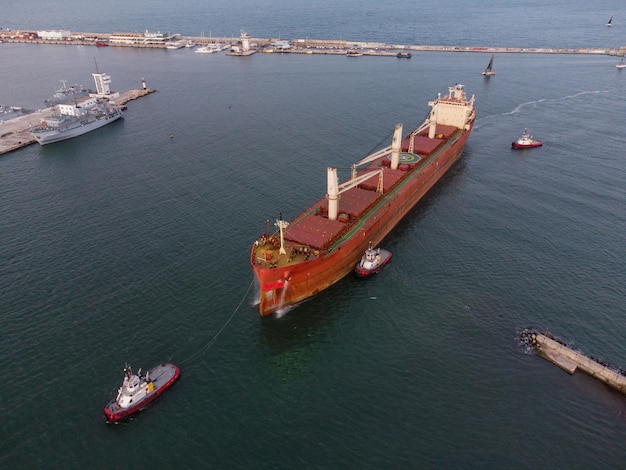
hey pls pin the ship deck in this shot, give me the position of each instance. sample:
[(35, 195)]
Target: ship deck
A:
[(314, 230)]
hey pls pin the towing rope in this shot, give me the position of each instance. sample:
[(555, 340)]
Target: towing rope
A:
[(207, 345)]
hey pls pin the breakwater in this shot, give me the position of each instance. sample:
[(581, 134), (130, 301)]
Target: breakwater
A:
[(305, 46), (560, 354)]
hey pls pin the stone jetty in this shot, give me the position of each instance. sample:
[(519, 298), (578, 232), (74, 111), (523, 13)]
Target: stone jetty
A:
[(559, 353)]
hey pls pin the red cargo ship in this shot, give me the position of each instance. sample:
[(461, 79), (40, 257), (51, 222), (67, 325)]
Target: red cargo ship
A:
[(323, 244)]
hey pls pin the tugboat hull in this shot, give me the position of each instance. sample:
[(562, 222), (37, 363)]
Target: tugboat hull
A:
[(363, 270), (517, 145), (156, 381)]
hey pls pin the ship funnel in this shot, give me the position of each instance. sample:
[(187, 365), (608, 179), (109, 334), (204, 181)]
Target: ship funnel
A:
[(333, 194), (396, 146)]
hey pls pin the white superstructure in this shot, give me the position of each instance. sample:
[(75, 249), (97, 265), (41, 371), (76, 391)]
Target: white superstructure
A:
[(147, 38), (102, 83)]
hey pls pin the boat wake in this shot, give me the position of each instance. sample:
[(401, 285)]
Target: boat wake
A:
[(281, 312), (519, 108), (257, 293)]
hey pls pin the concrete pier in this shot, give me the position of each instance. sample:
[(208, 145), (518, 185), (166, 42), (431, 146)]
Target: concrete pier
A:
[(14, 133), (317, 46), (569, 360)]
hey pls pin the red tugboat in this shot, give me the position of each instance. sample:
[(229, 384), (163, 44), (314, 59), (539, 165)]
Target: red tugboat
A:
[(526, 141), (137, 391), (372, 261), (323, 244)]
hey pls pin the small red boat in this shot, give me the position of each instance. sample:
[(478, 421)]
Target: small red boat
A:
[(137, 390), (101, 44), (372, 261), (526, 141)]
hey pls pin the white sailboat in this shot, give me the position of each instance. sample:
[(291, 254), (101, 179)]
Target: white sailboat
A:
[(621, 64), (210, 47), (489, 70)]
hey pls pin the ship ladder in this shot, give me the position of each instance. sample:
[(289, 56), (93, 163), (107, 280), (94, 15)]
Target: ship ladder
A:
[(411, 142), (379, 186)]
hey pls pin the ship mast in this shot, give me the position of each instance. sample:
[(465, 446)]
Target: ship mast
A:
[(433, 117), (282, 225), (396, 146), (335, 189)]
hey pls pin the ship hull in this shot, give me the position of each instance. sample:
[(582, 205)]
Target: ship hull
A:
[(517, 145), (287, 285), (57, 135)]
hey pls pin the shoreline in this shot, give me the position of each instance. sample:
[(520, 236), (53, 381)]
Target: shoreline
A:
[(317, 46)]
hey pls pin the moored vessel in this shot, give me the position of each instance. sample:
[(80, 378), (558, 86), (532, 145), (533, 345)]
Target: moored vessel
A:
[(323, 244), (372, 261), (211, 48), (66, 94), (179, 44), (62, 126), (137, 390), (11, 112), (526, 141), (80, 113)]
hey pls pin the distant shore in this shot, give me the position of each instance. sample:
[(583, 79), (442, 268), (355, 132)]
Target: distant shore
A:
[(312, 46)]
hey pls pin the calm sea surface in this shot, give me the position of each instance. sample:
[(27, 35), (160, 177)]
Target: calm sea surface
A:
[(126, 245)]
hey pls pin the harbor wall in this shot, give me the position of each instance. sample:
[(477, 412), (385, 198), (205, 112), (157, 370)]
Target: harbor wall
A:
[(312, 46), (570, 360)]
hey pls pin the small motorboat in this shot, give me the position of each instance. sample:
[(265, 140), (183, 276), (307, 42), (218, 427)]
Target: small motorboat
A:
[(137, 390), (372, 261), (621, 64), (526, 141)]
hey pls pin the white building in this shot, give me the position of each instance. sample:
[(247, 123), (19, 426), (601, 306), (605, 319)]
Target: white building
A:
[(54, 35)]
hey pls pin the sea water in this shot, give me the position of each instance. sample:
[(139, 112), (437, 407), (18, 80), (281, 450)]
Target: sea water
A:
[(131, 245)]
